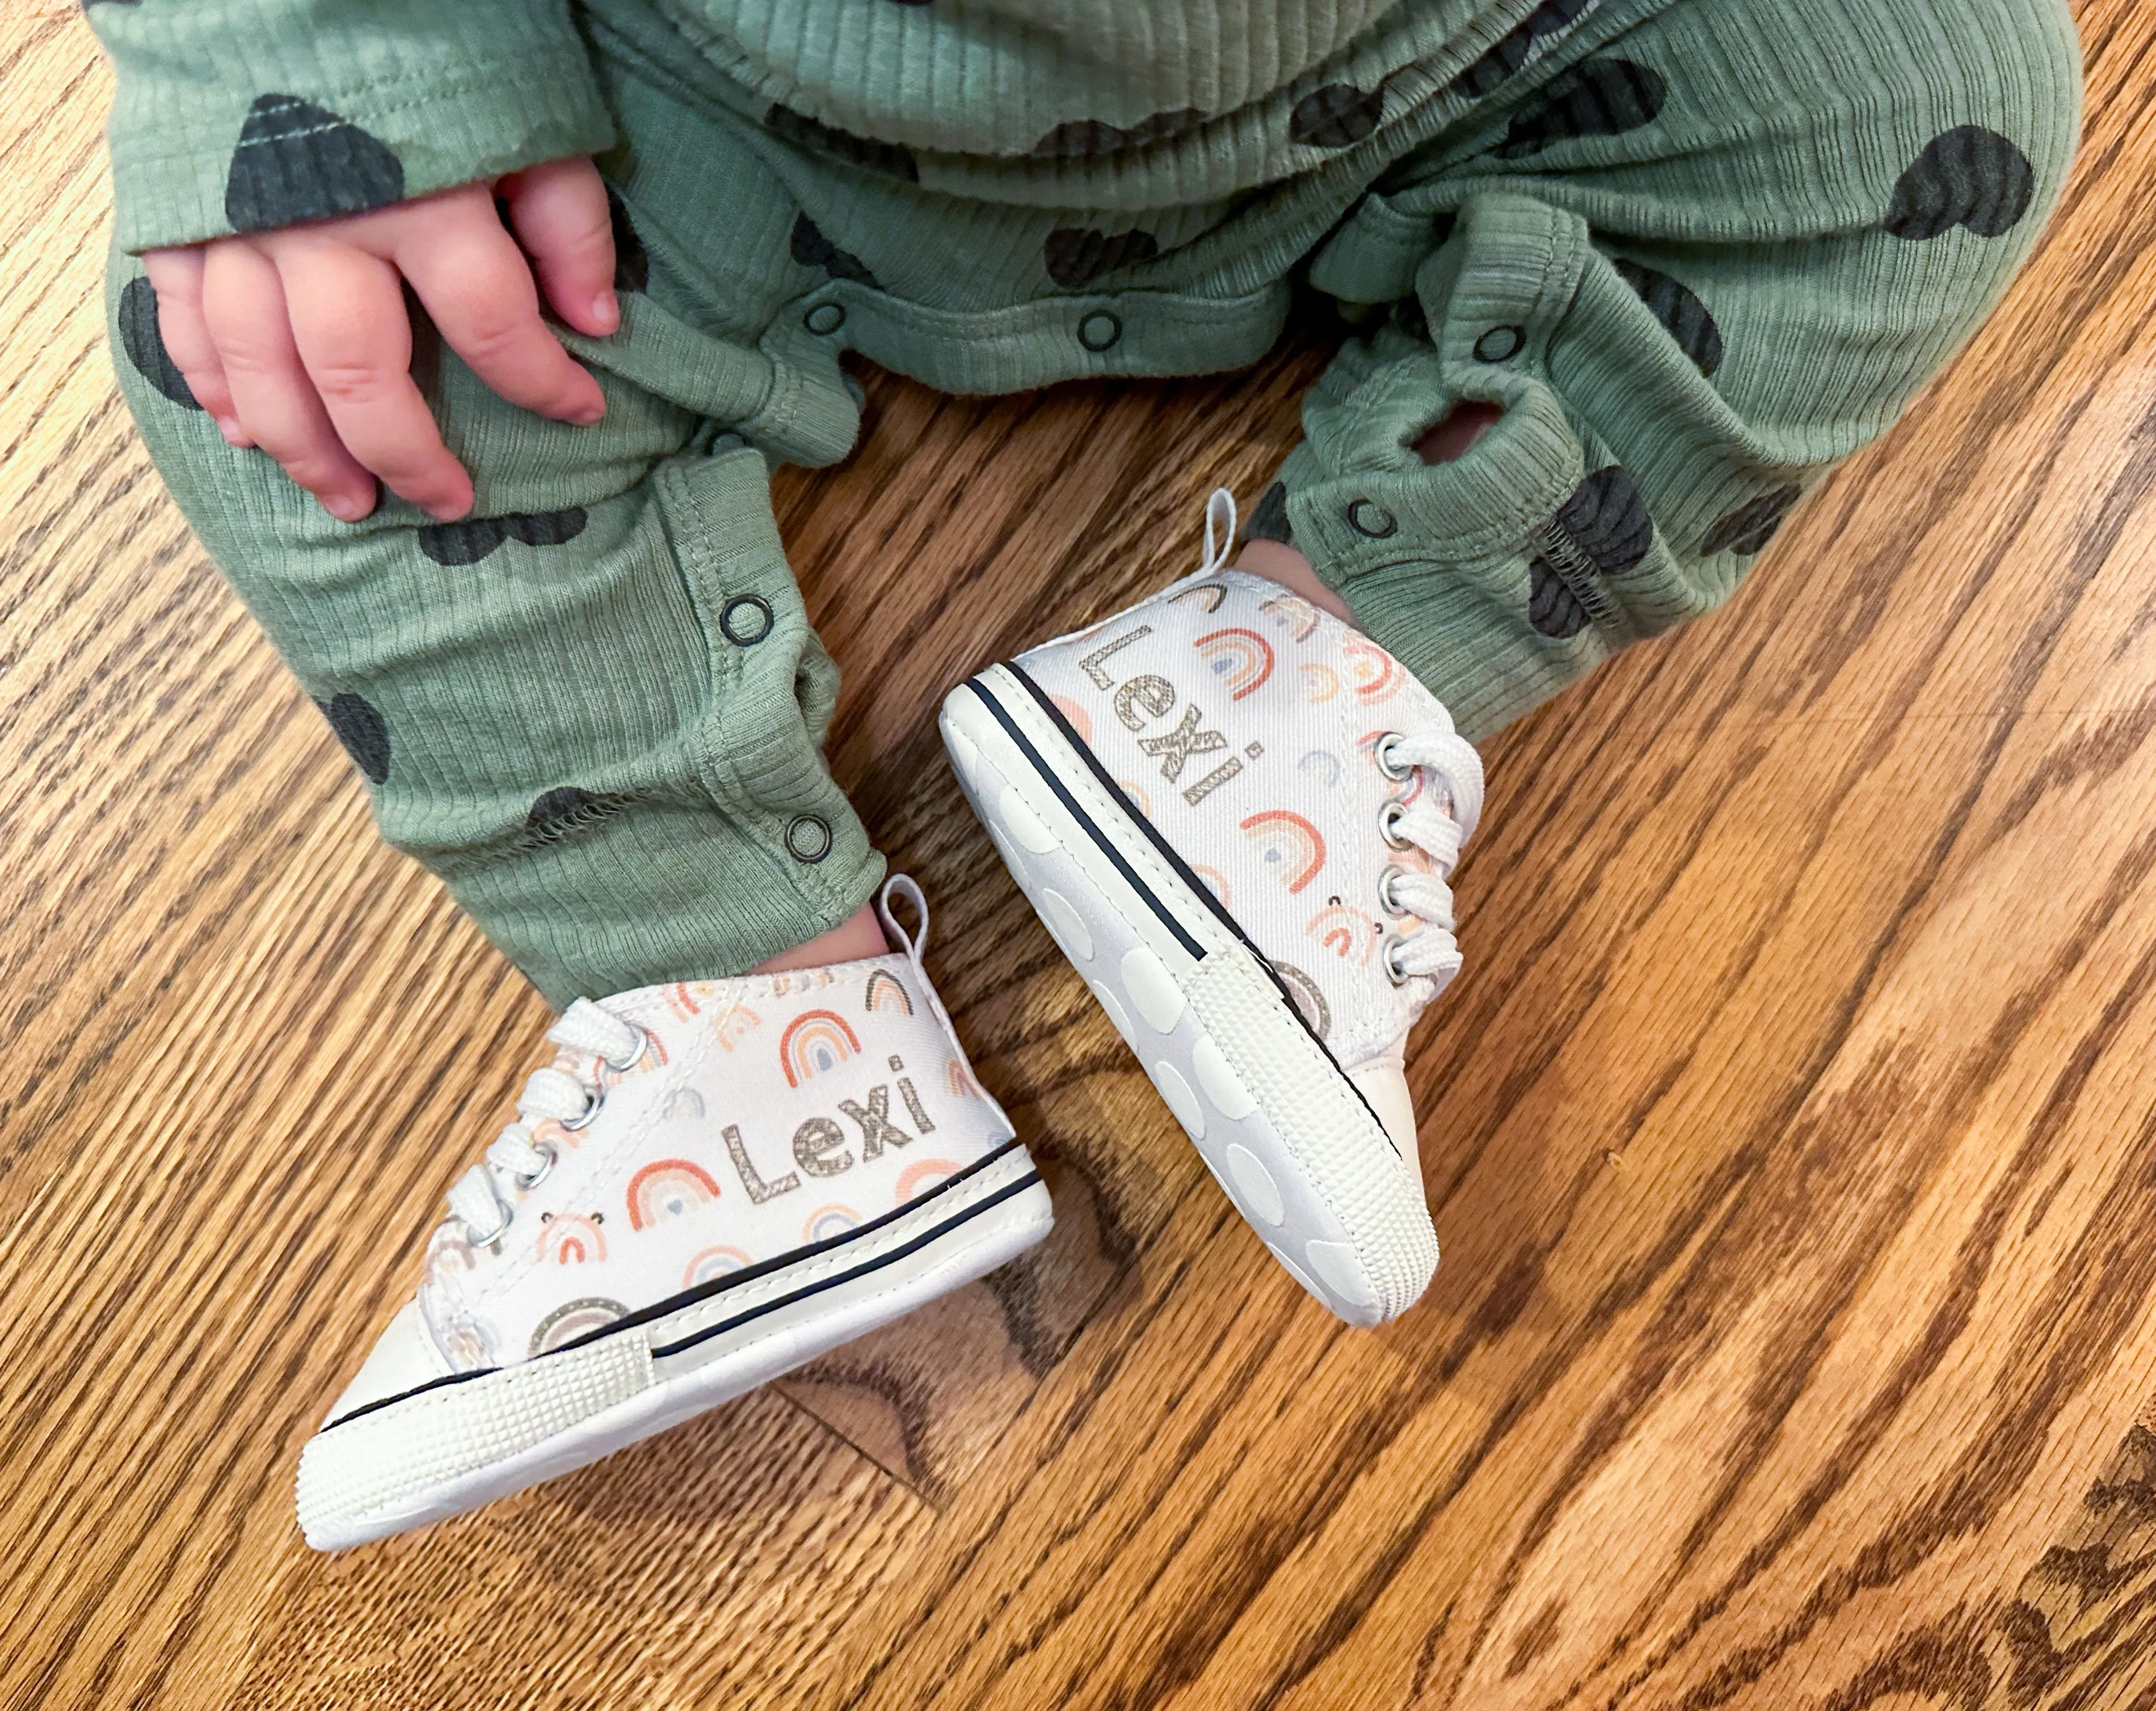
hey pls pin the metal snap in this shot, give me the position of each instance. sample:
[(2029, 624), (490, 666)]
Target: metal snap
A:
[(1375, 521), (825, 318), (746, 620), (1500, 344), (1100, 329), (808, 838)]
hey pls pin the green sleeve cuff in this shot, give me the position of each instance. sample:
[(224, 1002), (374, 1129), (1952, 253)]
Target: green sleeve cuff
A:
[(250, 115)]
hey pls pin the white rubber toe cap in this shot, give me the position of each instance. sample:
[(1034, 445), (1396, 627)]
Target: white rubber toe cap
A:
[(1384, 1082), (403, 1359)]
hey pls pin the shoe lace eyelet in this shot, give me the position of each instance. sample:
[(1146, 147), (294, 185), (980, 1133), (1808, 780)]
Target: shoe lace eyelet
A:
[(1388, 817), (583, 1119), (1394, 972), (635, 1058), (1382, 752), (487, 1238), (1387, 899), (546, 1150)]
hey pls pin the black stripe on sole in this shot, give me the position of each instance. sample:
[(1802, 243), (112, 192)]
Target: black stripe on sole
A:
[(878, 1263), (734, 1280)]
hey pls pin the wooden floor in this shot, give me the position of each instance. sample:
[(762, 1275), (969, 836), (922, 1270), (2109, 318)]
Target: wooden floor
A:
[(1792, 1134)]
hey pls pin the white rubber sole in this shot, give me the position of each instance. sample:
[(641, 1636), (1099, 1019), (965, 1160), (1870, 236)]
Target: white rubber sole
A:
[(1284, 1132), (455, 1444)]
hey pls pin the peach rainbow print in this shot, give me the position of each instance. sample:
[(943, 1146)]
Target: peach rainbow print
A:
[(958, 1081), (668, 1188), (1242, 659), (570, 1238), (732, 1022), (1378, 675), (682, 1001), (1347, 933), (1081, 721), (1288, 844), (1298, 614), (887, 992), (1137, 793), (1320, 682), (828, 1221), (918, 1178), (713, 1262), (1216, 882), (814, 1042)]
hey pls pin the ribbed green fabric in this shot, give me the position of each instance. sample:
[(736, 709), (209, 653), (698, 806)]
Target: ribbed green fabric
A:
[(1699, 250)]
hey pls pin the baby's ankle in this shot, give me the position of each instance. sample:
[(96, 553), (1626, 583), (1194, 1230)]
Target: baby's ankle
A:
[(859, 935), (1278, 562)]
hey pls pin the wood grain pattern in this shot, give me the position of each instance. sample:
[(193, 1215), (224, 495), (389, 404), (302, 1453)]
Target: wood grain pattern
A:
[(1792, 1134)]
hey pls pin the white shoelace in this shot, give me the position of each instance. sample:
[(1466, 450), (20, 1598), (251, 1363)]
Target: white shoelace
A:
[(1450, 766), (484, 1198)]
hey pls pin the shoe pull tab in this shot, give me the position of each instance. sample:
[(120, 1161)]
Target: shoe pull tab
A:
[(1220, 513), (914, 943)]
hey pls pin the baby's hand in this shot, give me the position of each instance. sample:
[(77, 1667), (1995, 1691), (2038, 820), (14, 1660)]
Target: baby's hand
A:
[(297, 341)]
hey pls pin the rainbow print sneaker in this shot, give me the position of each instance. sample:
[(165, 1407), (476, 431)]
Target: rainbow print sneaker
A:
[(1238, 817), (711, 1183)]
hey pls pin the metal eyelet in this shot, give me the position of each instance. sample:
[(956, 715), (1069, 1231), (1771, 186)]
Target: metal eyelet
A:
[(1394, 972), (1386, 900), (1388, 816), (583, 1119), (546, 1150), (1381, 752), (497, 1233), (635, 1058)]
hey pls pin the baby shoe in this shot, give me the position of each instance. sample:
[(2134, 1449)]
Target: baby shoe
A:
[(712, 1183), (1237, 816)]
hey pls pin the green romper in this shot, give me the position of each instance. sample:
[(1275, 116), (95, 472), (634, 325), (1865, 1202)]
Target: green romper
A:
[(1699, 250)]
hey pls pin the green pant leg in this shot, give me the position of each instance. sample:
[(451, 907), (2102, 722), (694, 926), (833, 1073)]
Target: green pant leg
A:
[(595, 708), (1695, 282)]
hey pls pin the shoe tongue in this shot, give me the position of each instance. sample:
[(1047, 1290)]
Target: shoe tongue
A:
[(1384, 1083)]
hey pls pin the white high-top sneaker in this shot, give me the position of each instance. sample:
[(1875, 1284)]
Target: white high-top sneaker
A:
[(1237, 817), (713, 1182)]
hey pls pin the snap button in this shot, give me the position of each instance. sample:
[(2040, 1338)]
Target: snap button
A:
[(1375, 521), (746, 620), (1500, 344), (808, 838), (1100, 329), (825, 318)]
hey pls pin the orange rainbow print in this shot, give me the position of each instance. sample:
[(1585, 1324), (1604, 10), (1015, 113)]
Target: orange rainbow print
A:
[(917, 1178), (1378, 675), (1288, 844), (713, 1262), (1081, 721), (887, 992), (667, 1188), (815, 1041), (1242, 659), (1320, 682), (682, 1001), (1298, 614), (571, 1239), (732, 1022), (959, 1081), (1347, 933), (828, 1221)]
